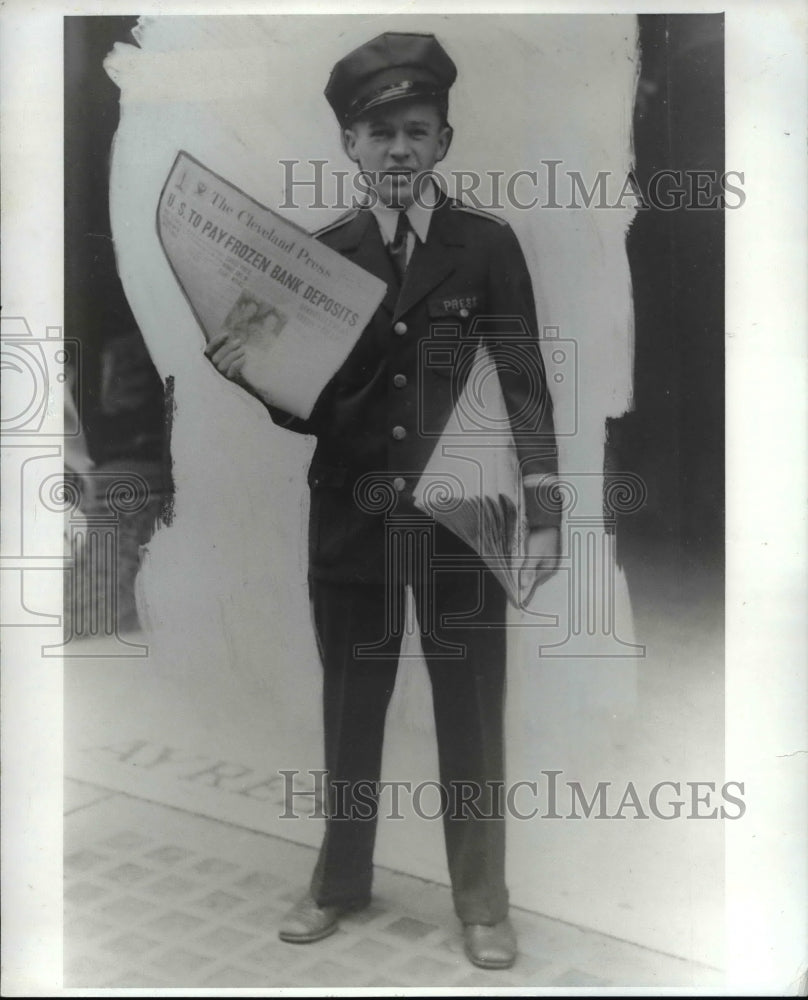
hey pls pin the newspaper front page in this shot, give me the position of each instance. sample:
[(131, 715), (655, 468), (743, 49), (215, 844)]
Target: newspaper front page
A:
[(297, 306)]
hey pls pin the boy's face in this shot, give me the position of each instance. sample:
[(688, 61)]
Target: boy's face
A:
[(395, 143)]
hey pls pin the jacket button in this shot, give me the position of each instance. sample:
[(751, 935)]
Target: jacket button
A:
[(398, 484), (399, 381), (400, 328), (464, 313), (399, 432)]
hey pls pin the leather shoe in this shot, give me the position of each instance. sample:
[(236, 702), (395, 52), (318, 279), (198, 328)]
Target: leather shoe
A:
[(490, 947), (307, 922)]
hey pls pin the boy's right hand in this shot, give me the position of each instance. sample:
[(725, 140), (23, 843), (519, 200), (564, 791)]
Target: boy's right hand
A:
[(226, 352)]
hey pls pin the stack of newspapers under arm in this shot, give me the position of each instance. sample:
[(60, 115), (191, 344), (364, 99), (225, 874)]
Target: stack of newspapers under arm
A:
[(472, 483), (298, 308)]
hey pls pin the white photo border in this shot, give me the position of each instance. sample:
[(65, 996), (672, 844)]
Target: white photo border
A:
[(766, 448)]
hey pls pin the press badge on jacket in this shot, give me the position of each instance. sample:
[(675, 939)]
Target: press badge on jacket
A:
[(459, 306)]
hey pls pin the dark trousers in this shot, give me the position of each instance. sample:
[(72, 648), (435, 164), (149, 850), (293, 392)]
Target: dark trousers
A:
[(467, 693)]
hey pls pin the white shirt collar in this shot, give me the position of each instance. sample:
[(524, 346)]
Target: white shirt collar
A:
[(419, 215)]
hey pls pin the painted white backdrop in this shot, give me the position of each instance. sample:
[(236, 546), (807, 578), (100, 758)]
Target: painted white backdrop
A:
[(222, 590)]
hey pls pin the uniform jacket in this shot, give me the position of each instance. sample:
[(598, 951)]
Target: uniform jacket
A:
[(384, 409)]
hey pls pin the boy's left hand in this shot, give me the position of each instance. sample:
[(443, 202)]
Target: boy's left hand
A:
[(541, 562)]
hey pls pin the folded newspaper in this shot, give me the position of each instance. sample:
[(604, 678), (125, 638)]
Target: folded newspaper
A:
[(472, 483), (297, 306)]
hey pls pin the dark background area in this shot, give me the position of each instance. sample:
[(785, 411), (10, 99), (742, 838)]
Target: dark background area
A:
[(674, 437), (121, 393), (677, 266), (673, 549)]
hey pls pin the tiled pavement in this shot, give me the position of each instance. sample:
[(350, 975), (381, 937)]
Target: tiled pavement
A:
[(157, 897)]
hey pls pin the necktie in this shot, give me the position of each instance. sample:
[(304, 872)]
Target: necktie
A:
[(398, 248)]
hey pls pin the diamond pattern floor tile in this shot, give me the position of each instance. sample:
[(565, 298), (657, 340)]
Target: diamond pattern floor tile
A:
[(157, 897), (128, 909), (218, 902), (84, 926), (263, 919), (83, 861), (490, 980), (127, 840), (169, 855), (259, 884), (234, 978), (328, 973), (574, 977), (223, 939), (174, 924), (215, 868), (370, 953), (82, 893), (130, 945), (181, 962), (270, 956), (381, 983), (79, 794), (172, 885), (127, 874), (410, 929), (421, 970)]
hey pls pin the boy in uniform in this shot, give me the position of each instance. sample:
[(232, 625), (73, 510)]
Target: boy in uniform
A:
[(376, 423)]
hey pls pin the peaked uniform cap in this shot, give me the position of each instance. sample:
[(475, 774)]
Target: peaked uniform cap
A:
[(394, 66)]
